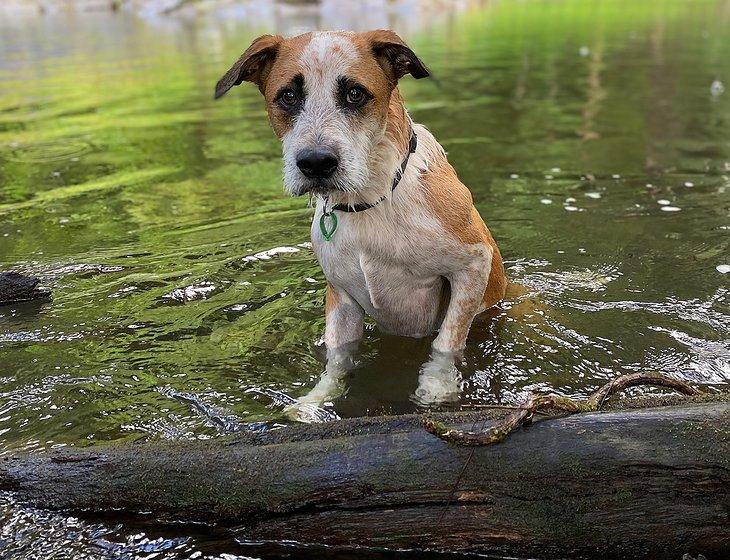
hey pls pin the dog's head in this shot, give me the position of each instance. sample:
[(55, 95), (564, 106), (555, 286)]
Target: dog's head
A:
[(328, 96)]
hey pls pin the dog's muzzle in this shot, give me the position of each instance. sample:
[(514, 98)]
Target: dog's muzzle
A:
[(317, 163)]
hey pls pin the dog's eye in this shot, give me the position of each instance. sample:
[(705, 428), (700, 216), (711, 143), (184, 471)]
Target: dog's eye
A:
[(288, 97), (355, 95)]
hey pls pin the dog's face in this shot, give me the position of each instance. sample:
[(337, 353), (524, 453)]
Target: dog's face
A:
[(327, 96)]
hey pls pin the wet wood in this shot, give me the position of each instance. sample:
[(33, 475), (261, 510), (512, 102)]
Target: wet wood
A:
[(644, 483)]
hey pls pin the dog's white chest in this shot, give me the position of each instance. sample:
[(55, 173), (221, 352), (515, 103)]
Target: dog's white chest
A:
[(392, 282)]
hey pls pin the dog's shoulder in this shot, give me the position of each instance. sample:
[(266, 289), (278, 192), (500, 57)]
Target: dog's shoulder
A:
[(446, 197)]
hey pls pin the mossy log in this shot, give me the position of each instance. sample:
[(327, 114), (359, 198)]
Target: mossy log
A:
[(635, 483)]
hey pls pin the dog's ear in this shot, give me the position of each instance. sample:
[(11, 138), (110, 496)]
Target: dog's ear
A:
[(394, 56), (253, 66)]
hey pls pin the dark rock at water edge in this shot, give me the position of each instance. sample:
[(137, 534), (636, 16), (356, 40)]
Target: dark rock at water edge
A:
[(18, 288)]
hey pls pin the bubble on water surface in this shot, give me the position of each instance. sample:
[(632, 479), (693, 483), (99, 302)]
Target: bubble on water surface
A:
[(671, 208), (723, 268), (594, 195), (546, 201), (663, 202), (717, 88)]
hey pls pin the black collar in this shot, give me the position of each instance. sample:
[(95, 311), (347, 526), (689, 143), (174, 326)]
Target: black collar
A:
[(398, 176)]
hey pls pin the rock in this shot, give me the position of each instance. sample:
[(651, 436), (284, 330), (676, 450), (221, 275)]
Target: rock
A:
[(17, 288)]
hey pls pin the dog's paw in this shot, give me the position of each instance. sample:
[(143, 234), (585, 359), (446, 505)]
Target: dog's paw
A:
[(309, 413), (439, 382)]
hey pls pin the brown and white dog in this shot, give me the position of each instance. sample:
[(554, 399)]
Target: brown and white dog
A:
[(408, 247)]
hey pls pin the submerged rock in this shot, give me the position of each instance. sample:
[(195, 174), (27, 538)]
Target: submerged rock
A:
[(17, 288)]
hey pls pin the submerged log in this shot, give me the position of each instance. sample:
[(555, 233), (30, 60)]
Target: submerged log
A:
[(641, 483)]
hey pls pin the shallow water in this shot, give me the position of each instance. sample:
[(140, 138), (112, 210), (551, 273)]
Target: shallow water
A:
[(186, 299)]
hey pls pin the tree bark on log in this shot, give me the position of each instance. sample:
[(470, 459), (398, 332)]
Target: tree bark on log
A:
[(643, 483)]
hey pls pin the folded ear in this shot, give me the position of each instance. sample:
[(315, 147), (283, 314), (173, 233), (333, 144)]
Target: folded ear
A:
[(395, 56), (253, 66)]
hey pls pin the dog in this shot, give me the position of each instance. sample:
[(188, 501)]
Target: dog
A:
[(395, 231)]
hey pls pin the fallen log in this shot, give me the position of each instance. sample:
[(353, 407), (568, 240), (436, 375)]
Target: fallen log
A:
[(639, 483)]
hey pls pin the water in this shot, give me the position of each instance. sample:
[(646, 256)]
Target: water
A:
[(187, 302)]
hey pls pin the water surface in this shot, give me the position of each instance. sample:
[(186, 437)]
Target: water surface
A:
[(593, 136)]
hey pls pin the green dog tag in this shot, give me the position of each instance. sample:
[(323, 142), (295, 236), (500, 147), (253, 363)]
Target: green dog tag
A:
[(328, 233)]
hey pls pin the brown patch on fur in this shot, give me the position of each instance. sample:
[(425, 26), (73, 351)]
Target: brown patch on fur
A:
[(387, 106), (331, 299), (252, 65), (371, 70), (392, 54), (398, 127), (379, 78), (365, 70), (452, 205), (281, 73)]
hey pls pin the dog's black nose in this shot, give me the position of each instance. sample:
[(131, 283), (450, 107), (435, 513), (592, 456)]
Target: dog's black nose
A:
[(317, 163)]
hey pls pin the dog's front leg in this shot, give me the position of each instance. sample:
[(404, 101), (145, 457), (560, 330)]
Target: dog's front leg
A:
[(343, 331), (440, 380), (344, 321), (467, 295)]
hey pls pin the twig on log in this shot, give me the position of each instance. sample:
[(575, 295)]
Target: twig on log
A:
[(522, 415)]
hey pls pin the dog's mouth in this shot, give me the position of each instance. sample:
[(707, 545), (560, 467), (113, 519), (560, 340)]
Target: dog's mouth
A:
[(317, 187)]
